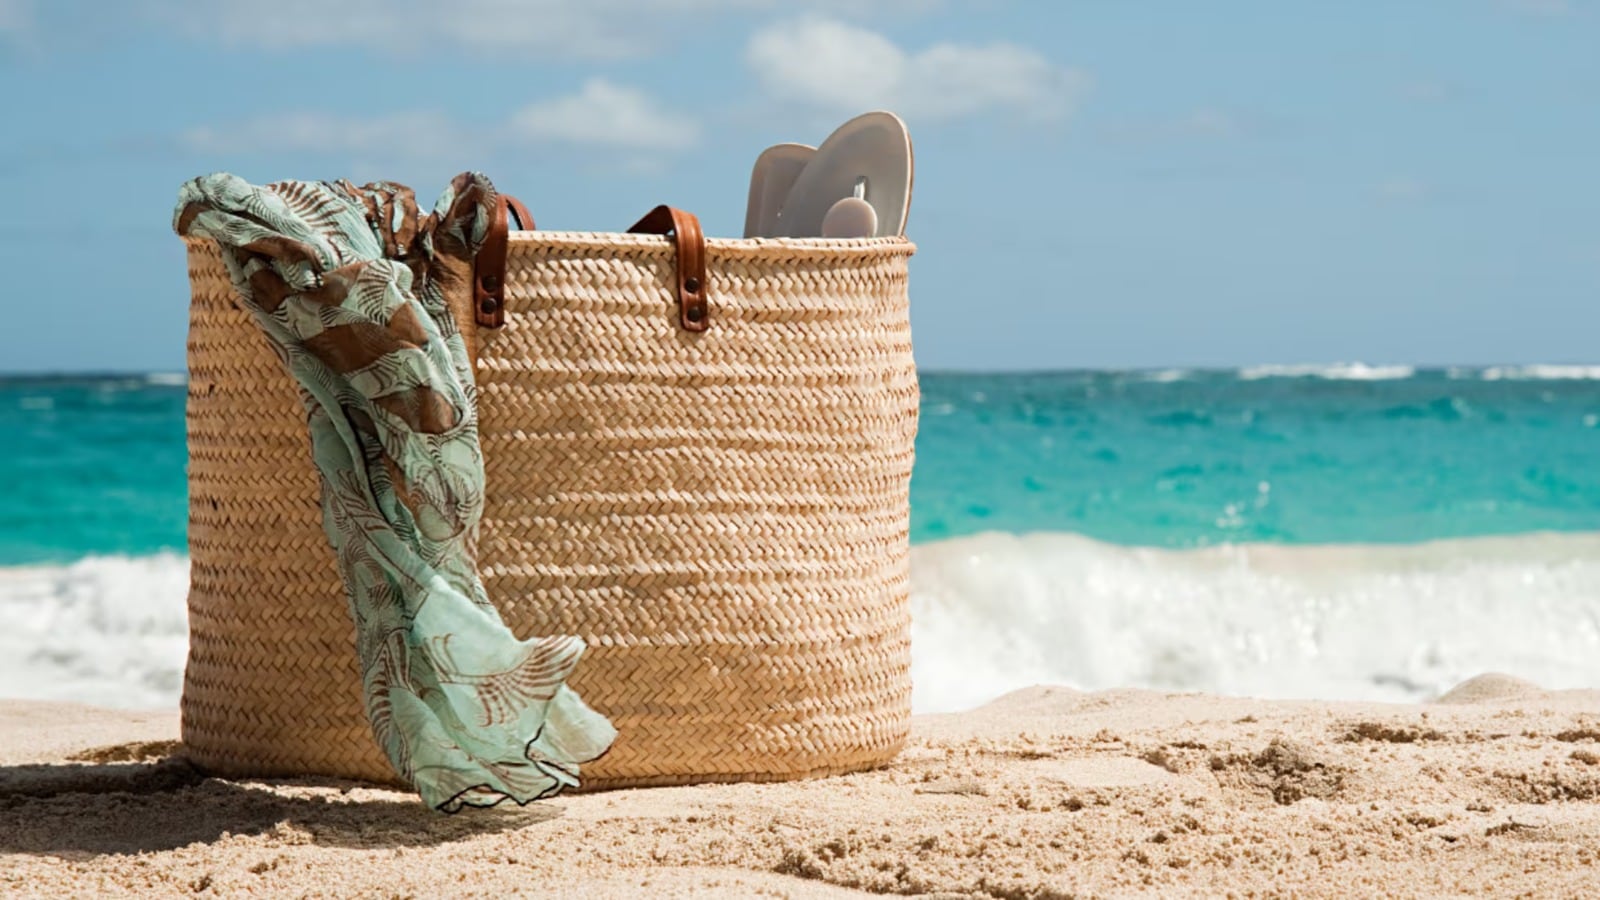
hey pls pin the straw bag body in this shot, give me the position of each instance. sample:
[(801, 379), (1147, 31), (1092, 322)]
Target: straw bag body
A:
[(700, 466)]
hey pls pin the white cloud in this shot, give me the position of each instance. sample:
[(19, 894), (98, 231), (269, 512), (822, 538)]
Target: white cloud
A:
[(410, 134), (605, 115), (16, 16), (594, 29), (619, 127), (525, 29), (840, 68)]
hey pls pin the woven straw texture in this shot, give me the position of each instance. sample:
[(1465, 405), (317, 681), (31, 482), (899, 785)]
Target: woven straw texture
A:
[(723, 516)]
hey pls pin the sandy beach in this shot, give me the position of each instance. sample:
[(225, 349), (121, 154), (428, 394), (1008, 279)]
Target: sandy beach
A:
[(1047, 792)]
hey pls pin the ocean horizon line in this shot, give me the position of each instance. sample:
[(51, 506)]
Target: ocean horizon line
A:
[(1354, 369)]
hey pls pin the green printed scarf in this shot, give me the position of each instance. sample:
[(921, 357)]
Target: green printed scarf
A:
[(351, 285)]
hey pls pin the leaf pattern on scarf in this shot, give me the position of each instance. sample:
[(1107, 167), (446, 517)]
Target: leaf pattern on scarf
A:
[(352, 287)]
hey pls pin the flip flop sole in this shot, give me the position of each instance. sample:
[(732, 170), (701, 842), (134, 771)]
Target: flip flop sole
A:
[(771, 179), (875, 145)]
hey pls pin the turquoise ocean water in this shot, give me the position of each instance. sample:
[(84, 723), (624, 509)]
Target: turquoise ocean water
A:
[(1166, 459), (1337, 531)]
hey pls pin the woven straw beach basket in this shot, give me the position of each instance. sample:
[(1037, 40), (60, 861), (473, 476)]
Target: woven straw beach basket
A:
[(698, 455)]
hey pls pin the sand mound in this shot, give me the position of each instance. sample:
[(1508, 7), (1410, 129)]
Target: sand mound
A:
[(1492, 687)]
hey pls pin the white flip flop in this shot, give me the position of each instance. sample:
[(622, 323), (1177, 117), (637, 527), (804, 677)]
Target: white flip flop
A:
[(874, 146), (770, 180)]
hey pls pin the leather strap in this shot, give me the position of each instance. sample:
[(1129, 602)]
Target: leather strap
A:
[(524, 218), (690, 252), (489, 269)]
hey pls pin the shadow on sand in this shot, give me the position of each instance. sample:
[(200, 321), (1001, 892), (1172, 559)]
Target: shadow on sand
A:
[(139, 806)]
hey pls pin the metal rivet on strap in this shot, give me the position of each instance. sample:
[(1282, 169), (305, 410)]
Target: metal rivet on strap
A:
[(691, 284), (489, 304), (491, 282), (695, 313)]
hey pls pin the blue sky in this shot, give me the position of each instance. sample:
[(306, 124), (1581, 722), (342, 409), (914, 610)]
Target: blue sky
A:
[(1099, 184)]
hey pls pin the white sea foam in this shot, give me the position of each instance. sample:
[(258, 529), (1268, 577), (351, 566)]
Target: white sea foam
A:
[(169, 379), (1349, 371), (105, 630), (1167, 376), (996, 612), (1538, 373)]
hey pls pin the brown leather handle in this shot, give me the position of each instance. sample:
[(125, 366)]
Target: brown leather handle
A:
[(690, 250), (524, 218), (489, 269)]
